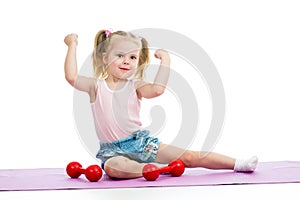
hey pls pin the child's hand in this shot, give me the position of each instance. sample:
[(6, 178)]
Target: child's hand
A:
[(161, 54), (71, 39)]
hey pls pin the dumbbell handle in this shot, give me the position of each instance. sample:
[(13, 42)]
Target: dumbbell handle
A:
[(165, 169), (81, 170)]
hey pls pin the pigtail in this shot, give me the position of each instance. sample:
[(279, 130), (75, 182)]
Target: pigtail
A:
[(100, 46), (144, 58)]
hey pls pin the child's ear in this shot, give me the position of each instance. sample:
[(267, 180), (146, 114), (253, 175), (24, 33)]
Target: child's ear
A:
[(104, 58)]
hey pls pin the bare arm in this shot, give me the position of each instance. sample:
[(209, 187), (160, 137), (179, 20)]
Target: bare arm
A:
[(82, 83), (71, 61), (151, 90)]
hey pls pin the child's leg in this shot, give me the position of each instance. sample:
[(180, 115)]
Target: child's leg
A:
[(210, 160), (123, 168)]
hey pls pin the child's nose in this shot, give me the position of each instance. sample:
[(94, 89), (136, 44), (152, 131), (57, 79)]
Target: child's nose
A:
[(126, 60)]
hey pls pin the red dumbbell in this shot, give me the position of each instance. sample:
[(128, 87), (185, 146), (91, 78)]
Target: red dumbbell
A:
[(151, 172), (93, 173)]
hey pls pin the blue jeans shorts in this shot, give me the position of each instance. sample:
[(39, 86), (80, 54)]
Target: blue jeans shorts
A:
[(139, 146)]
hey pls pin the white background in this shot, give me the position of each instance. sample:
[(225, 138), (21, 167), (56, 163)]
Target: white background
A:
[(255, 46)]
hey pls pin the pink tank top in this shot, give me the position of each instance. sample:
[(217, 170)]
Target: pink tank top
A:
[(116, 112)]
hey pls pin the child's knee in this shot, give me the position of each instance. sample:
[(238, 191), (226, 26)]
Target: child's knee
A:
[(189, 158), (113, 167), (121, 167)]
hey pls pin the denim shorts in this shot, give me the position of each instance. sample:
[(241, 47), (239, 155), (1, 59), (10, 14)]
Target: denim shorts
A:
[(139, 146)]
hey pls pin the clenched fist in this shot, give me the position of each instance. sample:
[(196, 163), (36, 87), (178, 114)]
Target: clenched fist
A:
[(71, 39)]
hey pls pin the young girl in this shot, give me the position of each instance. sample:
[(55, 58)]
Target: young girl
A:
[(119, 61)]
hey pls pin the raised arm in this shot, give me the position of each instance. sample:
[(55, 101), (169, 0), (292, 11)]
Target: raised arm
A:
[(71, 72), (151, 90), (82, 83)]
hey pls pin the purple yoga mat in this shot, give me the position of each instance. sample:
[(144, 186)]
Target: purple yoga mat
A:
[(57, 179)]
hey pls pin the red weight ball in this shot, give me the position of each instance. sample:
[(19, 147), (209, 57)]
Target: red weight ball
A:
[(74, 169), (177, 168), (93, 173), (150, 172)]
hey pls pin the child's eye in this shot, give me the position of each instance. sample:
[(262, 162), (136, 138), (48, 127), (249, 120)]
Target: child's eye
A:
[(119, 55), (133, 57)]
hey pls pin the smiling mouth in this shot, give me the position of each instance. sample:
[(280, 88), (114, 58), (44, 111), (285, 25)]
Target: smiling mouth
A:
[(124, 69)]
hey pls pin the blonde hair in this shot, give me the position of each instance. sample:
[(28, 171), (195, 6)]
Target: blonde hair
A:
[(102, 43)]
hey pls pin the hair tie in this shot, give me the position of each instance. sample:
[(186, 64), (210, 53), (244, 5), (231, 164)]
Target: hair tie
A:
[(108, 32)]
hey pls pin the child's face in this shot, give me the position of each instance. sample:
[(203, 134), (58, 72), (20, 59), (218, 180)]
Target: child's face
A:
[(122, 58)]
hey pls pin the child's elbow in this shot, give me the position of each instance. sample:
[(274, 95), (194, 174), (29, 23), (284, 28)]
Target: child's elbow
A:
[(159, 91), (71, 80)]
